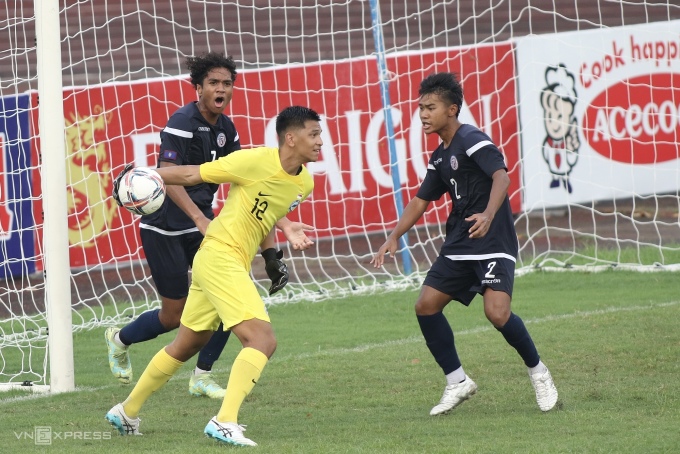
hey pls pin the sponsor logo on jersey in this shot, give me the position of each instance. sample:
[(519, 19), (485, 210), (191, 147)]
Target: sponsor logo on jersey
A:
[(203, 128), (437, 161), (169, 154), (221, 139), (454, 163)]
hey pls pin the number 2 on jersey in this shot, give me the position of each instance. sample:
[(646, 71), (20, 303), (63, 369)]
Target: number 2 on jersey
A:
[(491, 266), (455, 188)]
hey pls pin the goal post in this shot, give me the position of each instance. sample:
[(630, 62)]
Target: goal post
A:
[(384, 81), (598, 190), (53, 169)]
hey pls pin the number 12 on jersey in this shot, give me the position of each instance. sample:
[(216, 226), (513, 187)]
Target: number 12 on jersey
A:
[(259, 208)]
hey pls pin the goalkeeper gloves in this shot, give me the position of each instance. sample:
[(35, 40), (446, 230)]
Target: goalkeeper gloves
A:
[(116, 183), (275, 268)]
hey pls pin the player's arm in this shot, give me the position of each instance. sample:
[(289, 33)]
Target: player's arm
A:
[(274, 266), (413, 211), (499, 190), (181, 198), (295, 233), (172, 175), (277, 271), (180, 175), (432, 188)]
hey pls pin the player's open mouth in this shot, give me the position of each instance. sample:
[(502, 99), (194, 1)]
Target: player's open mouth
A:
[(219, 101)]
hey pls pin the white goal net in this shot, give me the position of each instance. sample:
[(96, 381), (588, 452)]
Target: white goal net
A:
[(583, 99)]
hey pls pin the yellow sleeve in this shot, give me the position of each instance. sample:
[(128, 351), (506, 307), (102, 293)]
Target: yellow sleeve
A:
[(240, 167)]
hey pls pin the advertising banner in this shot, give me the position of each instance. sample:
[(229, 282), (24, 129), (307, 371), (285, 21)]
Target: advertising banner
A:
[(353, 191), (600, 114), (108, 126), (17, 253)]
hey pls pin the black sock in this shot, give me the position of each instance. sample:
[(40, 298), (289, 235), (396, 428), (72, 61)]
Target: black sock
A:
[(147, 326), (212, 350), (439, 339), (516, 334)]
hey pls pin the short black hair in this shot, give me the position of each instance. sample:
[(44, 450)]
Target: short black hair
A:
[(200, 66), (446, 86), (294, 117)]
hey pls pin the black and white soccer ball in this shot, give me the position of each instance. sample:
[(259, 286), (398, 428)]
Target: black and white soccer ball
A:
[(141, 190)]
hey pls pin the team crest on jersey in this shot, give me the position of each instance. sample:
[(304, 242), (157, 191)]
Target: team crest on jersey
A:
[(221, 139), (295, 204), (454, 163)]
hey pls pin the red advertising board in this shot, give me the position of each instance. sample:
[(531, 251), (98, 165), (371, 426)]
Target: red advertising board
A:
[(108, 126), (102, 126), (353, 189)]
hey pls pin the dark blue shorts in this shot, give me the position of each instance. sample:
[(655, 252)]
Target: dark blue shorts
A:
[(169, 258), (463, 279)]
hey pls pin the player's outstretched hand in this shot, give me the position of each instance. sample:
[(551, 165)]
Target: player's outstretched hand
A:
[(275, 268), (296, 236), (388, 247), (116, 183)]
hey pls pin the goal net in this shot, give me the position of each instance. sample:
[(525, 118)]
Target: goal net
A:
[(583, 100)]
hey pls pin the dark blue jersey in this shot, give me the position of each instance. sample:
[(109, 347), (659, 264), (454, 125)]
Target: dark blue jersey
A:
[(188, 139), (464, 170)]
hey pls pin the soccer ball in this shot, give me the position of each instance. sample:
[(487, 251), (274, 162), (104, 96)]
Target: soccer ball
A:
[(141, 190)]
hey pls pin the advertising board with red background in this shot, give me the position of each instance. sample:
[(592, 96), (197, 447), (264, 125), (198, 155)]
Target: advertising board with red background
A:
[(108, 126), (618, 95)]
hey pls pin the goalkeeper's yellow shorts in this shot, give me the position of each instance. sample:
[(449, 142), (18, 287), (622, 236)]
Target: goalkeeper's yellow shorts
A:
[(221, 290)]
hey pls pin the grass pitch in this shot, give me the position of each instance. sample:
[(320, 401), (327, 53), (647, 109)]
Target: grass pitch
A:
[(354, 376)]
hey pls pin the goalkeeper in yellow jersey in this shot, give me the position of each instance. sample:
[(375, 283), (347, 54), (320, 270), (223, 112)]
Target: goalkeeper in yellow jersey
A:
[(266, 184)]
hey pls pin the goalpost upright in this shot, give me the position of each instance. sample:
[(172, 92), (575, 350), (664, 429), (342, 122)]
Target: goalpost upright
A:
[(383, 75), (53, 152)]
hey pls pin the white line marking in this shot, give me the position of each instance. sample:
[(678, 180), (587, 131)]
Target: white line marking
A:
[(479, 329)]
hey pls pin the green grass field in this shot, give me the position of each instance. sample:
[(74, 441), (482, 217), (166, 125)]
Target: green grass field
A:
[(354, 375)]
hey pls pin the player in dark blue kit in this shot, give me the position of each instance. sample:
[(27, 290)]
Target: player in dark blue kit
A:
[(480, 249), (197, 133)]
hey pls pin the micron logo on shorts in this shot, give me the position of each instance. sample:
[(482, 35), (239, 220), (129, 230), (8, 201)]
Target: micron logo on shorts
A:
[(636, 121), (491, 281)]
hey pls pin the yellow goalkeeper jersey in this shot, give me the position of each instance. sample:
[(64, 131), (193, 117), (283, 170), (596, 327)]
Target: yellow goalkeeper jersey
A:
[(260, 194)]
